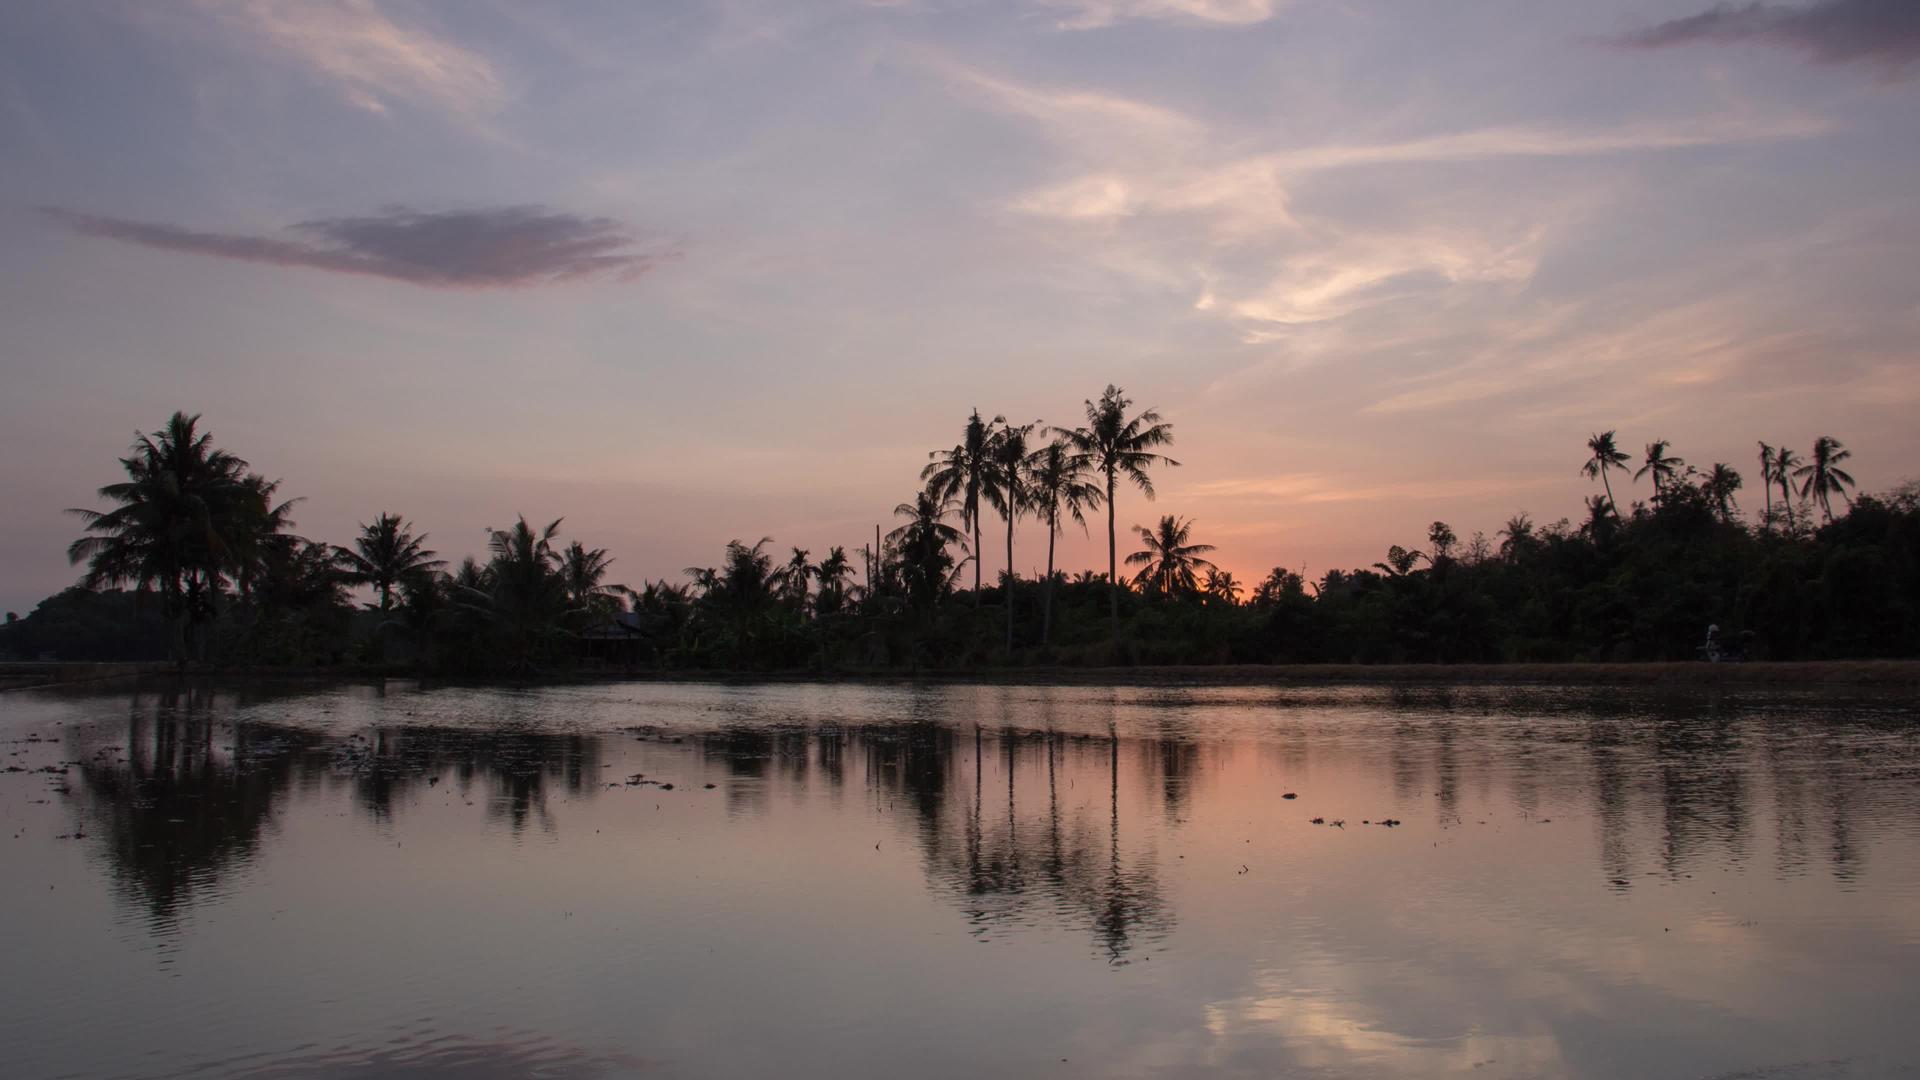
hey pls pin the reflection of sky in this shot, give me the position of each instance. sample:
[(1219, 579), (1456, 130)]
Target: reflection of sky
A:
[(727, 269), (869, 887)]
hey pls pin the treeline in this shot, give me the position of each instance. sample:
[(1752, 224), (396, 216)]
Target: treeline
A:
[(216, 575)]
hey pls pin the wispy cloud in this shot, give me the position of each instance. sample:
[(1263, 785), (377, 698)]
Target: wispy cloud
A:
[(370, 60), (1093, 14), (1881, 32), (506, 247)]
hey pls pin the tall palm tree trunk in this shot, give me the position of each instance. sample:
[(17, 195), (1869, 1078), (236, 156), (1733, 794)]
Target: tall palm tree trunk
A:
[(1113, 558), (1046, 616), (1611, 505), (1012, 512), (976, 557)]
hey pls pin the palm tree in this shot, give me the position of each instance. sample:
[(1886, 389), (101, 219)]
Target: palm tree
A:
[(1605, 458), (834, 573), (1400, 561), (795, 577), (965, 471), (178, 524), (1007, 490), (1059, 483), (1115, 446), (386, 553), (1220, 585), (526, 596), (582, 571), (1785, 463), (1168, 563), (1663, 467), (1766, 482), (1822, 478), (1719, 485), (921, 544), (1519, 536)]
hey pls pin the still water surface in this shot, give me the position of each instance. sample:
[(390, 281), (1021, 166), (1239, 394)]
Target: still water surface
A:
[(688, 880)]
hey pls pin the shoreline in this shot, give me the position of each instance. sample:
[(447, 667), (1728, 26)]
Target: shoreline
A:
[(1877, 673)]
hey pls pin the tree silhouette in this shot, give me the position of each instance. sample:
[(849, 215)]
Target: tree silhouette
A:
[(1115, 446), (1662, 467), (386, 553), (1060, 483), (1605, 457), (1168, 563), (1007, 490), (1766, 482), (1785, 464), (922, 544), (965, 472), (1719, 485), (1822, 478), (180, 522)]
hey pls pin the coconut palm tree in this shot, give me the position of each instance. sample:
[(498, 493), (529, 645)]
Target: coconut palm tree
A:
[(583, 571), (965, 471), (1007, 490), (526, 597), (1220, 585), (1168, 564), (179, 524), (1115, 446), (1766, 482), (385, 554), (1822, 478), (1785, 462), (1719, 485), (921, 544), (1605, 457), (1663, 467), (1060, 483), (834, 573), (1400, 561), (795, 577)]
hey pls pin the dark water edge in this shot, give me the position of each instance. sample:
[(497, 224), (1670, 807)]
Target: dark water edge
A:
[(273, 878)]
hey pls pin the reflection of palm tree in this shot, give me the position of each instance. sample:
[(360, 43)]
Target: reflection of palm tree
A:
[(1822, 478), (1605, 458), (1061, 484), (1115, 446), (1169, 563), (387, 553), (965, 471)]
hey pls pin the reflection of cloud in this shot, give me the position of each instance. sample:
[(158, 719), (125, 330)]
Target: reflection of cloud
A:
[(371, 60), (1323, 1032), (1883, 32), (1093, 14), (503, 247)]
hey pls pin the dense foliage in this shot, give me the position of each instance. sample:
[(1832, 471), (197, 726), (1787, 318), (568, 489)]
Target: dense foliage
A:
[(218, 576)]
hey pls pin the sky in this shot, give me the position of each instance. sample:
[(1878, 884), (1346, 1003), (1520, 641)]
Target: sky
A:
[(683, 273)]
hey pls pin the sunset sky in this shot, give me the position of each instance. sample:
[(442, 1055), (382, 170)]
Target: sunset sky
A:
[(686, 272)]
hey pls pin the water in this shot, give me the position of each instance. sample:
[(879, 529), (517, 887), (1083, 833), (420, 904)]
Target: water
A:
[(957, 881)]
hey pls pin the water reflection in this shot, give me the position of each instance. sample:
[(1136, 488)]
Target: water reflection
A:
[(1544, 836)]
